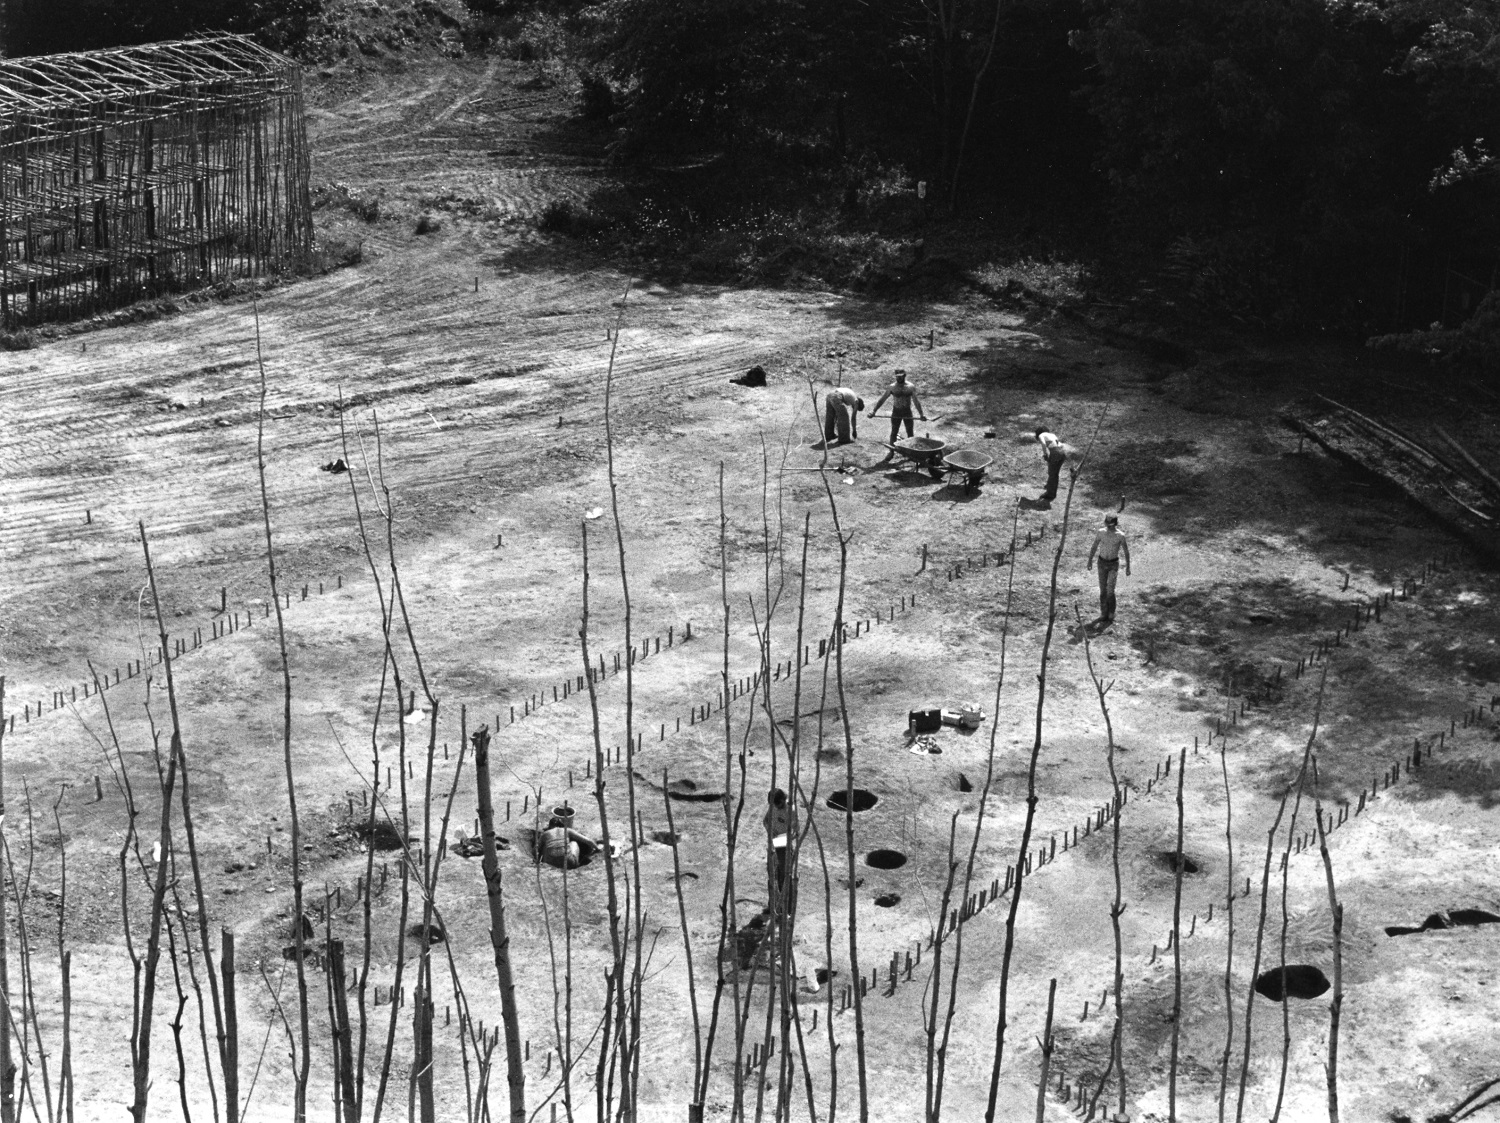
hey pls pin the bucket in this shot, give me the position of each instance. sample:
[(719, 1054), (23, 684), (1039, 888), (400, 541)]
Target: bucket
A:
[(565, 813)]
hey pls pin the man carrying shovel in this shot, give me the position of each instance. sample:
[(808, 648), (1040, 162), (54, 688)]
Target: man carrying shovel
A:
[(903, 396)]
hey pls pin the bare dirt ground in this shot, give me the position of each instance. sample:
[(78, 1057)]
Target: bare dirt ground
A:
[(1248, 550)]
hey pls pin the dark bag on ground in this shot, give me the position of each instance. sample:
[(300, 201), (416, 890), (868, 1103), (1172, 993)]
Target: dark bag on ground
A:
[(926, 721)]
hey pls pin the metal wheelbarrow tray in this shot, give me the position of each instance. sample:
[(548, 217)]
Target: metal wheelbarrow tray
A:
[(971, 464), (923, 452)]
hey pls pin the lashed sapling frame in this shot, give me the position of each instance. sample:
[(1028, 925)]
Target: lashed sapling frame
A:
[(131, 172)]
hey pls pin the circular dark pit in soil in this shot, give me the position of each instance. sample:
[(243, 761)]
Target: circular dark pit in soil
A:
[(1171, 859), (888, 900), (885, 859), (863, 800), (1302, 980)]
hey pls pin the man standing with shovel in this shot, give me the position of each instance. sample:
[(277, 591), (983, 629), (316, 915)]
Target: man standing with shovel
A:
[(903, 396)]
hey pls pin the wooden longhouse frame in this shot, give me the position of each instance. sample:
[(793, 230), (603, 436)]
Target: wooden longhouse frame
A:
[(147, 169)]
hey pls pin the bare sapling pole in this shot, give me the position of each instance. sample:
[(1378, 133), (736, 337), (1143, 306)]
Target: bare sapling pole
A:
[(1031, 796), (1230, 879), (936, 1108), (1117, 908), (935, 975), (515, 1071), (141, 1044), (192, 969), (1286, 863), (1176, 948), (30, 1022), (1048, 1045), (615, 991), (728, 910), (64, 954), (387, 663), (231, 1025), (403, 828), (299, 942), (1335, 1008), (202, 906), (342, 1033), (687, 943), (838, 678), (422, 1008), (7, 1065), (833, 1045), (1260, 931), (797, 831), (630, 1031)]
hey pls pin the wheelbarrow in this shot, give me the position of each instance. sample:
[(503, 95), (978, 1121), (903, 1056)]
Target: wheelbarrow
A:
[(923, 452), (970, 464)]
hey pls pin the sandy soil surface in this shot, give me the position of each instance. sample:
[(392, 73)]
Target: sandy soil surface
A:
[(482, 351)]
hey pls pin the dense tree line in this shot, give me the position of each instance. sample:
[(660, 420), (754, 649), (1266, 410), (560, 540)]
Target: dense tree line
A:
[(1295, 161), (1315, 162), (41, 27)]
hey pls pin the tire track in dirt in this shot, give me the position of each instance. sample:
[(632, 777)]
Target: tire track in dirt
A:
[(412, 342)]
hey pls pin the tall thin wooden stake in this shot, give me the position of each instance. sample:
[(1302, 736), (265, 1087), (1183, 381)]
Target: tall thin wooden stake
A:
[(1048, 1044), (1176, 949), (515, 1073), (1335, 1008), (1229, 878)]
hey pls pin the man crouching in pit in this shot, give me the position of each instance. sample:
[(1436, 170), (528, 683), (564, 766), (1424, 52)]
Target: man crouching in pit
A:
[(565, 848)]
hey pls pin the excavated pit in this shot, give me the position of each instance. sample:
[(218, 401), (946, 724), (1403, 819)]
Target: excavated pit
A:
[(1301, 980), (885, 859), (863, 800)]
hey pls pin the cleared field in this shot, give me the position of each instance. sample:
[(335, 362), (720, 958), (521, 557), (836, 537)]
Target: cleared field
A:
[(1249, 554)]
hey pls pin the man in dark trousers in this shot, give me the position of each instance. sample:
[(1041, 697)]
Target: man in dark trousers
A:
[(903, 396), (1109, 544), (1055, 453), (841, 415)]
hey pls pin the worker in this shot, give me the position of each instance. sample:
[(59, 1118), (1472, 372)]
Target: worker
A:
[(904, 399), (1109, 544), (778, 822), (564, 847), (1055, 453), (841, 415)]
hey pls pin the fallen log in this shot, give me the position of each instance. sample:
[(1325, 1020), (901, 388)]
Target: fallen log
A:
[(1489, 479), (1365, 443)]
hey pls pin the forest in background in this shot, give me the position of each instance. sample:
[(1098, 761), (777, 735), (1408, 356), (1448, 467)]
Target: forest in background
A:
[(1293, 164)]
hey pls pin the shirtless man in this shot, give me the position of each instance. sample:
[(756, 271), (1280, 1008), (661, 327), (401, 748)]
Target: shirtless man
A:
[(564, 847), (1109, 544), (904, 398), (841, 415)]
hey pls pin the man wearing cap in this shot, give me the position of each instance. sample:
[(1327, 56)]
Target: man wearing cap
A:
[(841, 415), (904, 398), (1109, 544)]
